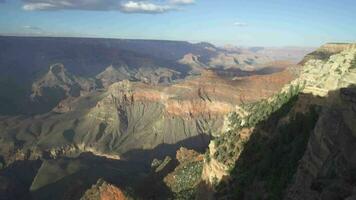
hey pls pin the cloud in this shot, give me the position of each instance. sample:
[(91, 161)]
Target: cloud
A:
[(182, 2), (33, 28), (33, 5), (126, 6), (240, 24), (144, 7), (38, 6)]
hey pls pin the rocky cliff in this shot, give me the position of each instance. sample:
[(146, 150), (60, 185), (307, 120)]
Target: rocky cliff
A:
[(123, 123), (103, 191), (297, 144), (58, 84), (326, 170), (112, 126), (325, 51)]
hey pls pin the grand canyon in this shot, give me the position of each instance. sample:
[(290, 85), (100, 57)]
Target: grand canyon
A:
[(132, 124), (193, 107)]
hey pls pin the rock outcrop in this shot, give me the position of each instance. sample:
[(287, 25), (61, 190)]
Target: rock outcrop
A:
[(149, 75), (335, 73), (103, 191), (59, 78), (186, 177), (57, 85), (326, 170), (113, 126), (310, 124), (325, 51)]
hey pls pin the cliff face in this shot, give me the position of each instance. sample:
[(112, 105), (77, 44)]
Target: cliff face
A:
[(109, 122), (326, 171), (324, 76), (305, 133), (148, 74), (125, 122), (327, 50), (112, 126), (337, 47), (57, 85)]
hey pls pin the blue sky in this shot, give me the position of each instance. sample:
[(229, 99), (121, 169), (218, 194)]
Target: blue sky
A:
[(236, 22)]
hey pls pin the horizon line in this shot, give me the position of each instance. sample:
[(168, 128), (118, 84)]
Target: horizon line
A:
[(163, 40)]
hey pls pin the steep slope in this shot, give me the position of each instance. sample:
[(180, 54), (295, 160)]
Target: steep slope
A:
[(325, 51), (304, 133), (301, 129), (326, 170), (110, 122), (114, 74), (194, 62), (58, 84), (149, 75), (128, 121)]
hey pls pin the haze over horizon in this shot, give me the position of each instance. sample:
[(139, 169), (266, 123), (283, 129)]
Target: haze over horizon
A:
[(242, 23)]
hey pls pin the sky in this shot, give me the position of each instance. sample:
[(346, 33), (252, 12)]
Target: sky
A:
[(234, 22)]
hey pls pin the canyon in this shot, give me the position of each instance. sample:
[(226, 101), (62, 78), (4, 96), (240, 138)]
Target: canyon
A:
[(101, 118)]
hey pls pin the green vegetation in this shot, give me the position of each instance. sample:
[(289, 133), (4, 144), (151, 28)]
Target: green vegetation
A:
[(187, 177), (229, 145), (162, 164), (207, 156), (338, 71), (155, 163), (353, 63), (262, 110), (185, 195), (272, 161), (320, 55)]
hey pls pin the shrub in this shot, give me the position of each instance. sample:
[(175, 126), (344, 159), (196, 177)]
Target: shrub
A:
[(227, 145), (188, 176), (353, 63)]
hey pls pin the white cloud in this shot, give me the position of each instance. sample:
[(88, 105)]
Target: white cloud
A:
[(33, 5), (182, 2), (38, 6), (144, 7), (240, 24), (126, 6), (34, 28)]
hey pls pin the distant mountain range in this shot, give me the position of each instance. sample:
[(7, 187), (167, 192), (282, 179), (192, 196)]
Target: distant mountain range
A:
[(25, 60)]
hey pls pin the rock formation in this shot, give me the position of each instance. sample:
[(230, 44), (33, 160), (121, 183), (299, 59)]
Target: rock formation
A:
[(103, 191), (289, 136), (265, 128)]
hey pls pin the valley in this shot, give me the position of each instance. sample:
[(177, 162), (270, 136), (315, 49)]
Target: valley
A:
[(186, 118)]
